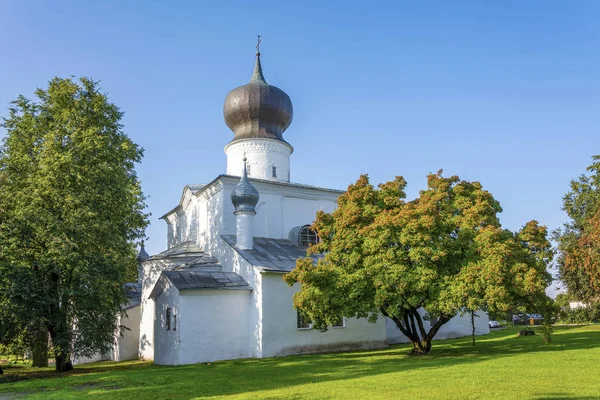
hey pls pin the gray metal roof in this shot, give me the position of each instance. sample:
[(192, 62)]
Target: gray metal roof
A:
[(204, 263), (182, 250), (133, 293), (274, 255), (196, 280)]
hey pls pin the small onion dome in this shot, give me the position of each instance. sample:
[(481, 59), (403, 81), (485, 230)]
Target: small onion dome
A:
[(245, 196), (142, 255), (257, 109)]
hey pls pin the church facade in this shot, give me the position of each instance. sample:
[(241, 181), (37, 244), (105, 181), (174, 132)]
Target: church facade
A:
[(217, 291)]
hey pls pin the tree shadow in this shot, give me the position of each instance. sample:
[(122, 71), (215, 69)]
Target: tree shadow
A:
[(252, 375)]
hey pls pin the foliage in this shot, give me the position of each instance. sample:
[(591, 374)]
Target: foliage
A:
[(71, 210), (499, 367), (444, 252), (562, 300), (581, 315), (579, 239)]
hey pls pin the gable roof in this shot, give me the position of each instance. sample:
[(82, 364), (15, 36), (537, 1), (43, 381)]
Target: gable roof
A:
[(182, 250), (273, 255), (195, 280)]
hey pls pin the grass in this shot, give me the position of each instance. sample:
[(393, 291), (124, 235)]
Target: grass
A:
[(500, 366)]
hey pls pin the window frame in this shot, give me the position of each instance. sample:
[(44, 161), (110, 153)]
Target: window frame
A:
[(168, 318), (342, 326), (309, 326), (309, 235), (299, 318), (273, 171)]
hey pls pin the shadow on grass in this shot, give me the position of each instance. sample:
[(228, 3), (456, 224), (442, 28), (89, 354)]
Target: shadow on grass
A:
[(145, 380), (563, 396)]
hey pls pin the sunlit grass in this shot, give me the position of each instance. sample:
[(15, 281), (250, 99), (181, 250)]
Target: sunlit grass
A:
[(500, 366)]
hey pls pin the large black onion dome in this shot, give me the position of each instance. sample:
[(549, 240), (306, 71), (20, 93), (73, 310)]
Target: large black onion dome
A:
[(257, 109), (245, 196)]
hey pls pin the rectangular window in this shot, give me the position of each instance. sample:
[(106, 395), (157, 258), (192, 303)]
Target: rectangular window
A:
[(174, 321), (303, 323), (340, 323), (274, 170), (248, 169), (168, 319)]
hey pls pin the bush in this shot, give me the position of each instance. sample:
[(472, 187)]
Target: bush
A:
[(581, 315)]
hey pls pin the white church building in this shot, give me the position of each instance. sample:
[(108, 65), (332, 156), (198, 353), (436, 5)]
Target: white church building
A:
[(217, 292)]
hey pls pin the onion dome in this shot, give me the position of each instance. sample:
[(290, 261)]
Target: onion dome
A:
[(142, 255), (245, 196), (257, 109)]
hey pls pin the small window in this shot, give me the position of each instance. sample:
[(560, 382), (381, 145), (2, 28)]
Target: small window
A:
[(174, 321), (340, 323), (302, 322), (274, 171), (307, 236), (248, 168), (168, 319)]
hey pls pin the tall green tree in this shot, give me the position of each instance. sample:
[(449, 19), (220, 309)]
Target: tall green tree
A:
[(444, 252), (71, 211), (579, 239)]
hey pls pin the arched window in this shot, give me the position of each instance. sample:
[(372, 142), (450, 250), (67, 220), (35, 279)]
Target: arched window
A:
[(307, 236)]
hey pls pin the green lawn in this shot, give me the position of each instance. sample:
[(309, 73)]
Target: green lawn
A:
[(500, 366)]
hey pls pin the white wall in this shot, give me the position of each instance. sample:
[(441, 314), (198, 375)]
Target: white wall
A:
[(167, 342), (213, 325), (458, 326), (232, 261), (282, 337), (277, 214), (127, 347), (262, 155), (124, 348), (152, 270), (298, 212), (209, 213)]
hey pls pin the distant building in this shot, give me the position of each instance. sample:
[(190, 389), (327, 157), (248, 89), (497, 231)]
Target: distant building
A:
[(577, 304)]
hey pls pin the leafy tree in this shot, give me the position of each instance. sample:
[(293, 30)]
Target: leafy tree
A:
[(562, 300), (71, 210), (444, 252), (579, 239)]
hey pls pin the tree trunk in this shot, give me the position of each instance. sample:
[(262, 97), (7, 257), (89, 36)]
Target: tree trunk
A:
[(422, 346), (1, 372), (61, 343), (411, 325), (63, 363), (473, 326), (39, 352)]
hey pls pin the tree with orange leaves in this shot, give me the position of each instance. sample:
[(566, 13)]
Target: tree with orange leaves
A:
[(444, 252), (579, 239)]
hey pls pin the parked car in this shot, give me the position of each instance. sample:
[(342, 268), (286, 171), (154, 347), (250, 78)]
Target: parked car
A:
[(494, 324), (527, 319)]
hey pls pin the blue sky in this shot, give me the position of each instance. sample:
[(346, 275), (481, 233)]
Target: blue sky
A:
[(503, 92)]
